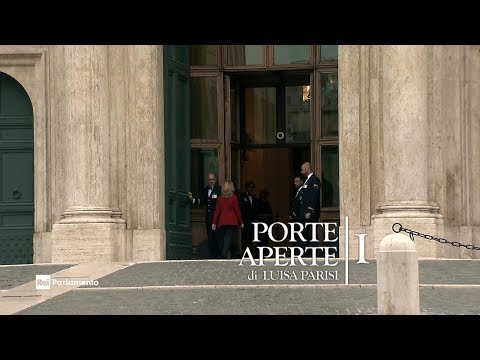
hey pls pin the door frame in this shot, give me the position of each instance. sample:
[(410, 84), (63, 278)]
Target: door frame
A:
[(18, 238), (28, 65)]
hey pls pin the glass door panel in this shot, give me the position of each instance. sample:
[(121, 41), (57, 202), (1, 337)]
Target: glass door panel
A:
[(260, 115), (241, 55), (297, 114)]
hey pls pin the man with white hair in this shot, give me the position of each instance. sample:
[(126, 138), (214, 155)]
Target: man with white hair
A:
[(208, 199)]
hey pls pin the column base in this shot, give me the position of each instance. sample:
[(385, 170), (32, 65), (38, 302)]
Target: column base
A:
[(89, 233), (91, 214), (418, 216), (468, 235), (85, 242), (146, 245), (42, 247)]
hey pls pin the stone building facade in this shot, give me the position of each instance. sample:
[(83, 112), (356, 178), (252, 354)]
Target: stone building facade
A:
[(408, 138)]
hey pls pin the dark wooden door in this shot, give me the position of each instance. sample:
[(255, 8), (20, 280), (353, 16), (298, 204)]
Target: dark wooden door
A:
[(177, 151), (16, 173)]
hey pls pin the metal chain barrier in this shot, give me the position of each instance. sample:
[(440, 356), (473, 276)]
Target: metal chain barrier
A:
[(414, 233)]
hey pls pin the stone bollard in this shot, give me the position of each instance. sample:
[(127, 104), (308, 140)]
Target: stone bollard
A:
[(397, 276)]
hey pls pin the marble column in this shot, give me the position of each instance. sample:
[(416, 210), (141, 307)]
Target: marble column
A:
[(356, 109), (405, 147), (88, 227), (473, 160), (145, 153)]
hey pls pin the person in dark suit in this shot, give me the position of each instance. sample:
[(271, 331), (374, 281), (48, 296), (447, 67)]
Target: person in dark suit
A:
[(298, 183), (208, 199), (248, 206), (297, 200), (309, 207), (265, 215)]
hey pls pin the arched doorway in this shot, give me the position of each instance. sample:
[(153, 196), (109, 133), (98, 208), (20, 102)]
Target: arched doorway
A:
[(16, 173)]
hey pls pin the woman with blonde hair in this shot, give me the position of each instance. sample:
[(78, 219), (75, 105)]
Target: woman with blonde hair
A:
[(227, 217)]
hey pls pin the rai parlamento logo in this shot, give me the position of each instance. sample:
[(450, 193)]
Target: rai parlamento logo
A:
[(45, 282)]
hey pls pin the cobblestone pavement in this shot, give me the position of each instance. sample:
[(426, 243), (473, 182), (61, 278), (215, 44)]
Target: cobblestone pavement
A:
[(14, 275), (228, 272), (223, 287), (249, 300)]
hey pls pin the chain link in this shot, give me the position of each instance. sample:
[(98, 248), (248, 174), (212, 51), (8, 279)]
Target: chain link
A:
[(413, 233)]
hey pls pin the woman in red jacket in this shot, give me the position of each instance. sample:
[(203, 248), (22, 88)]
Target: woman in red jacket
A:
[(227, 217)]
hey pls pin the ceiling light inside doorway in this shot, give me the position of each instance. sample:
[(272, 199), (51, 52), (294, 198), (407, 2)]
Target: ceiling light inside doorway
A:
[(306, 93), (332, 78)]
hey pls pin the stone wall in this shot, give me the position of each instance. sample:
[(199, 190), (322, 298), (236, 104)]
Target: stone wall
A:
[(98, 123), (408, 150)]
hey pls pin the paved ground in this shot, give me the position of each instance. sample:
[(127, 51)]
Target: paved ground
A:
[(223, 287), (228, 272), (244, 300), (15, 275)]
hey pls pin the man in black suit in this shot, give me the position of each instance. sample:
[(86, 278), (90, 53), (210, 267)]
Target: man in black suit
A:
[(298, 183), (265, 215), (208, 198), (248, 207), (309, 209)]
